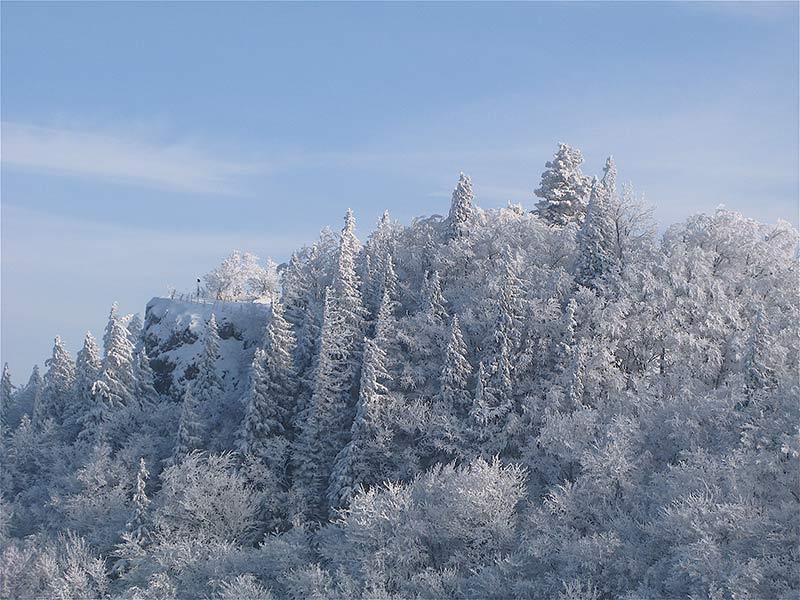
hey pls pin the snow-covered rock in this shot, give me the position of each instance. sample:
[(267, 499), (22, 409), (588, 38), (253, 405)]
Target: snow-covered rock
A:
[(173, 333)]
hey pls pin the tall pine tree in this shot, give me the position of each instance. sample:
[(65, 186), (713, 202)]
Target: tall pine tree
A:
[(364, 460), (90, 410), (461, 209), (273, 383), (59, 381)]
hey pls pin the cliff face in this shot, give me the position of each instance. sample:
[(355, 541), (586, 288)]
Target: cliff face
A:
[(173, 334)]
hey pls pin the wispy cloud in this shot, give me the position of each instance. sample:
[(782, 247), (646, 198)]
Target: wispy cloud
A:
[(124, 157)]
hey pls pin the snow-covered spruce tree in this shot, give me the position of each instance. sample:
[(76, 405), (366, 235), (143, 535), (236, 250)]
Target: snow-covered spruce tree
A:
[(325, 430), (115, 386), (207, 386), (6, 392), (189, 436), (26, 399), (146, 393), (134, 328), (609, 180), (451, 406), (89, 408), (346, 288), (563, 189), (137, 526), (113, 317), (59, 381), (461, 209), (493, 404), (456, 373), (363, 461), (266, 429), (596, 261), (433, 301), (378, 249), (512, 305)]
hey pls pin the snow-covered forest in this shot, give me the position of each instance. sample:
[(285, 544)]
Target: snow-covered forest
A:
[(544, 402)]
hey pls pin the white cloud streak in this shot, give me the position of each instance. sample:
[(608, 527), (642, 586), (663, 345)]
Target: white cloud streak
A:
[(119, 157)]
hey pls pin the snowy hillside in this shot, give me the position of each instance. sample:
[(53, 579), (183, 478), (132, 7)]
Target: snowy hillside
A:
[(499, 403)]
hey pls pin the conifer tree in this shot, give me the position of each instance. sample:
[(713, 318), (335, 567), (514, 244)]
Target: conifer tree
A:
[(190, 431), (609, 180), (363, 461), (433, 300), (346, 289), (461, 209), (451, 407), (146, 393), (115, 386), (576, 373), (325, 430), (134, 328), (29, 397), (379, 247), (207, 387), (456, 373), (566, 347), (268, 417), (59, 381), (596, 260), (113, 316), (89, 408), (493, 402), (563, 189), (511, 304), (6, 392), (137, 526)]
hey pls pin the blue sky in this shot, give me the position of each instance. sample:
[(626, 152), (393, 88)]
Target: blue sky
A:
[(141, 142)]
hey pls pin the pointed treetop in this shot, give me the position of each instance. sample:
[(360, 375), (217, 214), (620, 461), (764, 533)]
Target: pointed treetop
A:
[(461, 210), (433, 299), (609, 181)]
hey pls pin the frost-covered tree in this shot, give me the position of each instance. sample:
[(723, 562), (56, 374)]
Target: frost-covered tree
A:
[(563, 189), (346, 288), (461, 209), (379, 248), (189, 436), (207, 388), (325, 430), (596, 260), (134, 328), (433, 301), (89, 408), (137, 526), (146, 394), (115, 386), (426, 536), (26, 399), (268, 416), (609, 180), (493, 403), (364, 460), (759, 375), (58, 385), (6, 393), (451, 406), (456, 373), (240, 278)]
